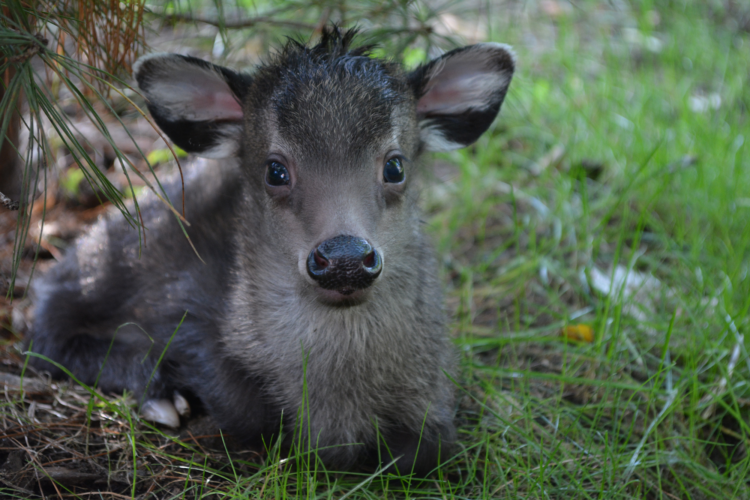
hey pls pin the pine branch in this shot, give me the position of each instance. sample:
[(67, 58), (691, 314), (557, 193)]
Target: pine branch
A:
[(242, 23)]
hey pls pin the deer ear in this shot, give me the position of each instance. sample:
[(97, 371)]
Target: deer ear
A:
[(197, 104), (459, 94)]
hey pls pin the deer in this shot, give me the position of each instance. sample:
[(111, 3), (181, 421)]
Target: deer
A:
[(305, 288)]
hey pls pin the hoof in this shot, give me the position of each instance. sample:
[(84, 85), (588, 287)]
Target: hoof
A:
[(161, 411), (181, 404)]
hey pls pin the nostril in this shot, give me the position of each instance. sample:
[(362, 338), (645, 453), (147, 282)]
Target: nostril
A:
[(317, 265), (320, 261), (369, 260), (372, 264)]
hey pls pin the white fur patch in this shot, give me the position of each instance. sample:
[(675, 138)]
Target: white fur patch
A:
[(228, 145), (434, 140)]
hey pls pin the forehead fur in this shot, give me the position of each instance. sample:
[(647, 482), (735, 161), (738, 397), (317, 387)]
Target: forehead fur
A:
[(332, 95)]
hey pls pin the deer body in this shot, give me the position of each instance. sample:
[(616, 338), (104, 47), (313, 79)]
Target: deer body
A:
[(317, 300)]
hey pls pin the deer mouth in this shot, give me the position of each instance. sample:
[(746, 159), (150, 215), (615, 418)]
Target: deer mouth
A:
[(344, 297)]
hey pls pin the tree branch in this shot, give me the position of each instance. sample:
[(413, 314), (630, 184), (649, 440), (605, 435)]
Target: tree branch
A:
[(8, 203), (241, 23)]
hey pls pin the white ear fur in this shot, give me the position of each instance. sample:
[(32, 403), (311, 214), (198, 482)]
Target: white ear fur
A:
[(434, 139), (227, 143), (462, 93)]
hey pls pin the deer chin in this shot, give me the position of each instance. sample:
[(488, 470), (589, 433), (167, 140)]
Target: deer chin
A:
[(342, 298)]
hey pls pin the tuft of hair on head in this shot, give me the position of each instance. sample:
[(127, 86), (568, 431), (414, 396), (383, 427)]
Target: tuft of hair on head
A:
[(337, 43), (334, 44)]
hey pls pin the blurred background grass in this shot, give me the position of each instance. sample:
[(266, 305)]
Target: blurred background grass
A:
[(594, 242)]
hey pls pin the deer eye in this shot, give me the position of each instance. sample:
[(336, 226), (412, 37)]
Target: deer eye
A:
[(276, 174), (394, 171)]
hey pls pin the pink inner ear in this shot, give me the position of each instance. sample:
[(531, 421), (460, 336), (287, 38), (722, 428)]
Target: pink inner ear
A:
[(439, 96), (197, 95), (222, 104), (449, 84), (459, 83), (212, 97)]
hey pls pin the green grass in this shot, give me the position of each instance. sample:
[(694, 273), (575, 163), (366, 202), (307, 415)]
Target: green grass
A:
[(640, 412), (598, 162)]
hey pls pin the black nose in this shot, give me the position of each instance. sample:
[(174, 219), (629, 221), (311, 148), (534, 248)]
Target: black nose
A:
[(345, 264)]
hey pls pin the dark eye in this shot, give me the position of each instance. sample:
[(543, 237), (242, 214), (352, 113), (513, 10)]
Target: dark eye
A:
[(393, 171), (277, 174)]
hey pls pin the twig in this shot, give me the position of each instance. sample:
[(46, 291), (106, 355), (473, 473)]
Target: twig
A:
[(241, 23), (323, 20), (99, 494), (197, 443), (29, 384), (8, 203), (28, 53)]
